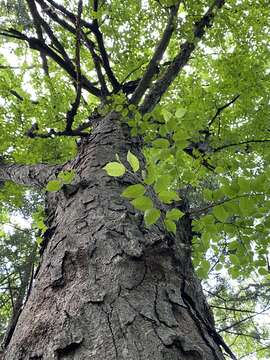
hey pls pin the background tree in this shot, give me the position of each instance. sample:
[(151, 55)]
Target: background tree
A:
[(168, 103)]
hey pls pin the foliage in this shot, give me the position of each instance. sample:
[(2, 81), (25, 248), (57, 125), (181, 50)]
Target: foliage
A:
[(205, 140)]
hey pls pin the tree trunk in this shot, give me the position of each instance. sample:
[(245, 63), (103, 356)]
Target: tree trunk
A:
[(107, 288)]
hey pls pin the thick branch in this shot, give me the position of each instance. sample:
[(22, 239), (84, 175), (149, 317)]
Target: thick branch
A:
[(28, 175), (34, 12), (157, 57), (75, 106), (36, 44), (41, 22), (52, 133), (87, 42), (186, 49), (99, 38)]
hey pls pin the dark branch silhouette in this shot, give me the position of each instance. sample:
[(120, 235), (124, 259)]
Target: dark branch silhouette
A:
[(186, 49)]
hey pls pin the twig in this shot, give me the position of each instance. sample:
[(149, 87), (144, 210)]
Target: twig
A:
[(239, 143), (220, 109), (226, 328)]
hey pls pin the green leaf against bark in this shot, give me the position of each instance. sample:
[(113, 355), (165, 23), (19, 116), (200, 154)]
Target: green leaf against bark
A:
[(170, 226), (168, 196), (133, 161), (174, 214), (54, 185), (142, 203), (162, 183), (115, 169), (134, 191), (66, 176), (151, 216)]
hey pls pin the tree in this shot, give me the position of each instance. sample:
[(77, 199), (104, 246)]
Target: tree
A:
[(168, 103)]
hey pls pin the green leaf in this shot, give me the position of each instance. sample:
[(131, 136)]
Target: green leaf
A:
[(133, 161), (168, 196), (204, 268), (170, 226), (220, 213), (234, 259), (174, 214), (66, 176), (247, 206), (180, 112), (54, 185), (161, 143), (166, 114), (151, 216), (162, 183), (263, 271), (142, 203), (218, 267), (134, 191), (115, 169)]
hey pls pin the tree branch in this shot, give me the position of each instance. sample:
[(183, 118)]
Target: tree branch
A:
[(94, 27), (32, 7), (75, 106), (36, 44), (186, 49), (87, 42), (157, 56), (42, 23), (52, 133), (220, 109), (103, 52), (28, 175), (239, 143)]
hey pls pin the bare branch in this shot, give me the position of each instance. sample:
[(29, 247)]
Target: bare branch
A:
[(157, 56), (32, 7), (103, 52), (240, 143), (42, 23), (52, 133), (74, 108), (220, 109), (19, 97), (89, 43), (186, 49), (226, 328), (94, 27), (233, 309), (36, 44)]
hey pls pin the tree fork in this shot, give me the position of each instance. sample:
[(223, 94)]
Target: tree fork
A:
[(108, 288)]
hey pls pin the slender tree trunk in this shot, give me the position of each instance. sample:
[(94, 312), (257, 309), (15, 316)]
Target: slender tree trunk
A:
[(107, 288)]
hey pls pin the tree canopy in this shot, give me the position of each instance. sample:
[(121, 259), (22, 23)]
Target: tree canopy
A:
[(191, 81)]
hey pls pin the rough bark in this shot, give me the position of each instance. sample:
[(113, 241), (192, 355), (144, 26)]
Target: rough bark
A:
[(28, 175), (107, 288)]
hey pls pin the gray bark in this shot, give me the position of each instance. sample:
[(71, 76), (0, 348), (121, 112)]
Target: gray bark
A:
[(107, 288), (28, 175)]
